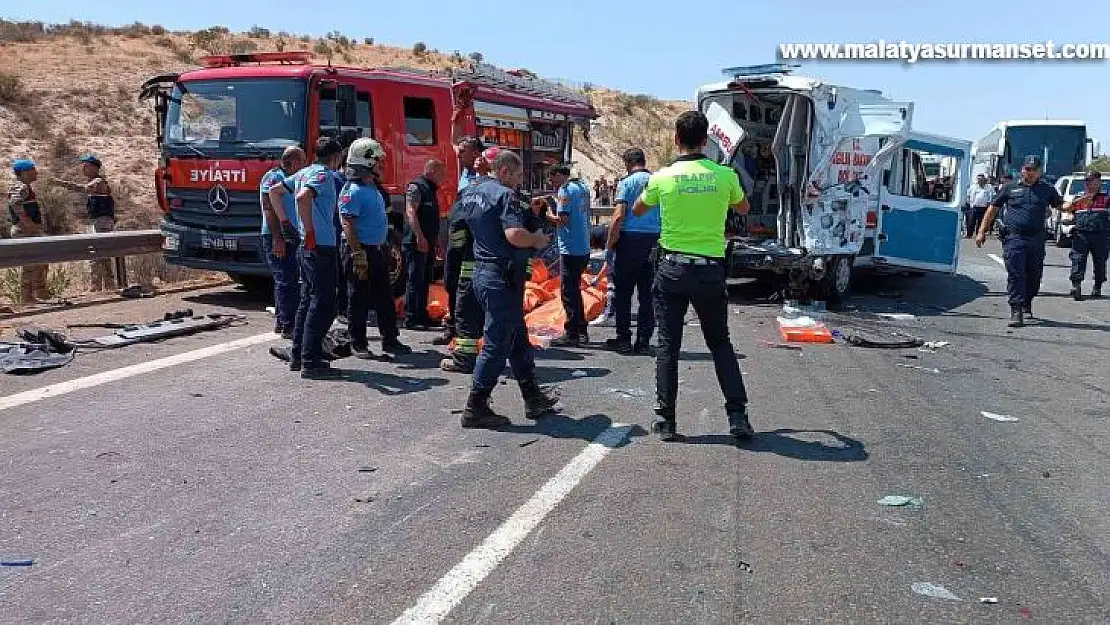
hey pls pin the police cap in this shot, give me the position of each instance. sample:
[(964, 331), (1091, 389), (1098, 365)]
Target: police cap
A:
[(91, 160), (1032, 161), (21, 165)]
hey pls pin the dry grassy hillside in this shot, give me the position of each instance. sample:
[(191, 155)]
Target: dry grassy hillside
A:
[(69, 89)]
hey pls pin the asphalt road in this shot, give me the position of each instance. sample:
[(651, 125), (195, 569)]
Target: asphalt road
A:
[(223, 489)]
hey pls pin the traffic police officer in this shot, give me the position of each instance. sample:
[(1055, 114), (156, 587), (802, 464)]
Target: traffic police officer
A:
[(365, 263), (694, 196), (280, 239), (26, 215), (1026, 205), (316, 208), (466, 313), (502, 248), (1092, 229)]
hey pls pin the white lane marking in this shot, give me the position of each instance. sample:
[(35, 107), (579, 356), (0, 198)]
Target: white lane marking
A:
[(62, 388), (998, 259), (434, 605)]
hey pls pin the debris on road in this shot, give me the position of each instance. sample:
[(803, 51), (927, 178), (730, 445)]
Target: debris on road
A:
[(899, 501), (935, 591), (856, 340), (919, 368), (932, 346), (803, 329), (744, 566), (1002, 418), (41, 350), (16, 562), (108, 454), (367, 469), (1026, 613), (578, 373), (794, 348), (990, 600), (271, 310), (1046, 475), (529, 442), (364, 499), (627, 393), (898, 316)]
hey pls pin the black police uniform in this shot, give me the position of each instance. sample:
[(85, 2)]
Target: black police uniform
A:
[(423, 193), (1026, 208), (1092, 237), (500, 272)]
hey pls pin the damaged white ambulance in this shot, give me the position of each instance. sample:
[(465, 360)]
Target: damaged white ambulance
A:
[(836, 181)]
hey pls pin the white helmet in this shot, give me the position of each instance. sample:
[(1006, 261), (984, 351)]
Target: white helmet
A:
[(365, 152)]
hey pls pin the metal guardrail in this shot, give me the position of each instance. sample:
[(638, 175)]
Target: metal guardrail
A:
[(77, 247)]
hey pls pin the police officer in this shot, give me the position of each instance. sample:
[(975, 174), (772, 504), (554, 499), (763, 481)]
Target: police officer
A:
[(421, 238), (694, 196), (632, 241), (467, 317), (365, 262), (1026, 205), (316, 208), (280, 238), (100, 207), (502, 247), (26, 215), (1092, 229)]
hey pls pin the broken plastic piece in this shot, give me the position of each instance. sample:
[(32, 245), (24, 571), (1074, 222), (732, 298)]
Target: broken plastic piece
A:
[(919, 368), (796, 348), (898, 501), (16, 562), (627, 393), (990, 600), (803, 330), (529, 442), (935, 591), (898, 316), (856, 340), (934, 345), (1003, 418)]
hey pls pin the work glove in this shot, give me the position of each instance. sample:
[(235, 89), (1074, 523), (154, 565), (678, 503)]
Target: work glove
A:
[(361, 264)]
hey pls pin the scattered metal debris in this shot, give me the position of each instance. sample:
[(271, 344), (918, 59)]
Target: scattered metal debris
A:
[(932, 346), (529, 442), (787, 346), (856, 340), (899, 501), (627, 393), (991, 600), (935, 591), (367, 469), (919, 368), (1002, 418), (898, 316)]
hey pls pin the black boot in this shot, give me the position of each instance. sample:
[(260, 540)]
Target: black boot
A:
[(456, 365), (1077, 291), (739, 426), (1016, 318), (537, 403), (1096, 293), (445, 338), (478, 414), (665, 425)]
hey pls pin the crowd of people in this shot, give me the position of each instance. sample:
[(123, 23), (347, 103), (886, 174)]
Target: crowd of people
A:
[(26, 220), (665, 242)]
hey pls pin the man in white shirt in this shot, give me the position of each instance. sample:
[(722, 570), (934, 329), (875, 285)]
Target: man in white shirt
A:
[(979, 198)]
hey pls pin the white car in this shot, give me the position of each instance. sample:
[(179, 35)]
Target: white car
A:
[(1061, 224)]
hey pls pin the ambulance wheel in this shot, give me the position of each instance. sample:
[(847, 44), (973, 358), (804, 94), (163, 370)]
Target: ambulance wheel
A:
[(397, 276), (836, 283)]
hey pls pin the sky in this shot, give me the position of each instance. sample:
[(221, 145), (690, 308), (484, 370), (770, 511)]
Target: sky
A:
[(668, 49)]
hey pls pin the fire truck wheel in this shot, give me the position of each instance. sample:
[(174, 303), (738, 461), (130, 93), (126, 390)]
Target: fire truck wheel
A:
[(255, 285)]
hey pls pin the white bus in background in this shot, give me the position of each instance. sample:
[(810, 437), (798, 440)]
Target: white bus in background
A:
[(1063, 144)]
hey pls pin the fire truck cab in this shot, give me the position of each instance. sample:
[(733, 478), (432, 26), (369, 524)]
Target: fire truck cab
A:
[(221, 127)]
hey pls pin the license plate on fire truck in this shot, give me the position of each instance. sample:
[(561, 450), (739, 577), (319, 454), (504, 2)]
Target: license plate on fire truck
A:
[(219, 243)]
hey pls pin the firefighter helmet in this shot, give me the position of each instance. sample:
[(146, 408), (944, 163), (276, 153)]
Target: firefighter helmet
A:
[(365, 153)]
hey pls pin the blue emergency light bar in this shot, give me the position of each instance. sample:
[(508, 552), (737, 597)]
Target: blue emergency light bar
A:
[(758, 70)]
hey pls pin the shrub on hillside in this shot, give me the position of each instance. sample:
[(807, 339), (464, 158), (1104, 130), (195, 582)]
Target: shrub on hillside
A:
[(134, 31), (243, 47), (323, 49), (419, 48), (21, 32), (259, 33), (60, 148), (368, 41), (11, 89), (158, 30), (477, 57), (211, 40)]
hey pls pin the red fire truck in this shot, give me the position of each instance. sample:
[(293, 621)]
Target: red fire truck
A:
[(221, 127)]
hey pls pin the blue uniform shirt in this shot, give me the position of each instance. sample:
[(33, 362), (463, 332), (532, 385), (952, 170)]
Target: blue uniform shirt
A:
[(490, 208), (574, 200), (363, 203), (273, 178), (1027, 206), (628, 192), (321, 180)]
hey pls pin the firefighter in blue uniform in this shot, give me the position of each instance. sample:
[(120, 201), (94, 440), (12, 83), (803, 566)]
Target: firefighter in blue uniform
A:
[(1026, 205), (503, 245), (1092, 235)]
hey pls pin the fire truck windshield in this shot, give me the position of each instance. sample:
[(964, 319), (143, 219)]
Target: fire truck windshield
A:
[(226, 114)]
